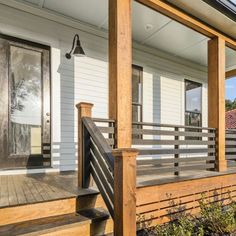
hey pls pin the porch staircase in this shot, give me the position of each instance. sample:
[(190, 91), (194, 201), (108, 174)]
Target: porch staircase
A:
[(82, 215)]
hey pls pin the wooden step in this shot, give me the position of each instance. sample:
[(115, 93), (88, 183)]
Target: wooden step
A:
[(85, 222), (22, 213)]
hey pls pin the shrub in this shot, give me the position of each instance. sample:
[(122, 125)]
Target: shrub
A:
[(215, 219), (218, 219)]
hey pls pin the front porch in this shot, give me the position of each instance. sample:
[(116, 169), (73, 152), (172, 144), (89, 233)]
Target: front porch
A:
[(162, 135)]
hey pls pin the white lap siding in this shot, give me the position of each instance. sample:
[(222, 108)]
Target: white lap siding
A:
[(86, 79)]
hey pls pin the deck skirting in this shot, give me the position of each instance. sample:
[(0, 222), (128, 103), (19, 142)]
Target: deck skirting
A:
[(161, 203)]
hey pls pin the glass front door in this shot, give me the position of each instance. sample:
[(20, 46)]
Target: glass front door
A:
[(24, 74)]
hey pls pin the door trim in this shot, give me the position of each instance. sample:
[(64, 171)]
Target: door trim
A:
[(46, 61)]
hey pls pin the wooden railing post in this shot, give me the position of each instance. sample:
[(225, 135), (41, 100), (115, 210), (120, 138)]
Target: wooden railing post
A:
[(125, 191), (84, 110), (216, 97), (120, 70)]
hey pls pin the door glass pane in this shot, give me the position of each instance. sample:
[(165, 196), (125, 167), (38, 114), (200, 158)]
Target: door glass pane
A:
[(26, 96)]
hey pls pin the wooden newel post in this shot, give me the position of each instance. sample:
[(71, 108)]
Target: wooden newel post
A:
[(84, 110), (125, 191)]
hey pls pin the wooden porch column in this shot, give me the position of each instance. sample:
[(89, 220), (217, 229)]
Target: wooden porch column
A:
[(125, 191), (84, 110), (120, 61), (216, 96)]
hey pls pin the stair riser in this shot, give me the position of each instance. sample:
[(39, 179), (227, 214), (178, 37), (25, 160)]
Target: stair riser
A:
[(11, 215), (94, 229)]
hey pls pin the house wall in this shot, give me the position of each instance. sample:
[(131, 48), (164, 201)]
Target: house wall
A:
[(86, 79)]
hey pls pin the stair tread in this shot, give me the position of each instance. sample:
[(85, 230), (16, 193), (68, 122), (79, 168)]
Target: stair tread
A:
[(82, 217), (94, 214)]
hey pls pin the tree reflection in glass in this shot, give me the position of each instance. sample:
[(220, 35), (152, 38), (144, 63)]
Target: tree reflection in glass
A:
[(26, 97)]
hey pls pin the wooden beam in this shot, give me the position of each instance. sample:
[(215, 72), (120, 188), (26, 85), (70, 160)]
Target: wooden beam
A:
[(125, 191), (120, 65), (187, 20), (230, 74), (216, 96)]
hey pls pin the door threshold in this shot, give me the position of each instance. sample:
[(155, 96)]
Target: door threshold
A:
[(28, 171)]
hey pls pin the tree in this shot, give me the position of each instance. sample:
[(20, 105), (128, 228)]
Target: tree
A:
[(230, 105)]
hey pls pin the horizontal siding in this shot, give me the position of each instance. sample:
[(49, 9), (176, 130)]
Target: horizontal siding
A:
[(171, 100), (86, 79)]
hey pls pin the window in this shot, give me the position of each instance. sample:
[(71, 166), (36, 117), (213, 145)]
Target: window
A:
[(137, 106), (193, 103)]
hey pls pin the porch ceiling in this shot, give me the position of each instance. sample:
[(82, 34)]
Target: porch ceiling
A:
[(149, 27)]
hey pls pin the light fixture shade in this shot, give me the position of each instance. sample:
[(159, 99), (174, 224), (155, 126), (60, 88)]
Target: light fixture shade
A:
[(77, 49)]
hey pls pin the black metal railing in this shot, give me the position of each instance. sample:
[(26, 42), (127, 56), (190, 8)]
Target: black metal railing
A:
[(173, 148), (98, 159), (230, 147)]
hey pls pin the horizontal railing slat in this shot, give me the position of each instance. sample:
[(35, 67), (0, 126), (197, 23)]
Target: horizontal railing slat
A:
[(230, 142), (230, 136), (153, 151), (109, 130), (171, 142), (162, 170), (230, 157), (174, 160), (171, 133), (231, 163), (141, 124), (230, 149)]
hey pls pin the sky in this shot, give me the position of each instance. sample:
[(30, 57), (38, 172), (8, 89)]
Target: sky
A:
[(233, 1), (230, 88)]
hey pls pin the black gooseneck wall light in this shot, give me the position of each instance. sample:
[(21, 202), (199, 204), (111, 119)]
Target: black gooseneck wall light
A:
[(76, 49)]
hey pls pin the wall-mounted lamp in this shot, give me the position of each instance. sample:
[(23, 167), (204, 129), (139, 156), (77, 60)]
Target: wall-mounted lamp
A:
[(76, 49)]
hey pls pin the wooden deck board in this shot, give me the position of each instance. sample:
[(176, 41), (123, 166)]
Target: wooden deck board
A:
[(35, 188), (12, 196), (157, 179), (4, 201), (28, 194), (19, 190)]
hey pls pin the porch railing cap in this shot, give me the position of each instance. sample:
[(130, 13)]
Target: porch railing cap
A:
[(84, 105)]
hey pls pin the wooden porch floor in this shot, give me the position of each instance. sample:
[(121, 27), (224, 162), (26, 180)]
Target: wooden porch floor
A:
[(34, 188), (149, 180), (18, 190)]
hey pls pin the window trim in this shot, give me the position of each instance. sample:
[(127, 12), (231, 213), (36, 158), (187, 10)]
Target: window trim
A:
[(138, 104), (185, 99)]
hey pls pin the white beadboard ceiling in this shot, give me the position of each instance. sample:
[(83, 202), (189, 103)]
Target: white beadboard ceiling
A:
[(149, 27)]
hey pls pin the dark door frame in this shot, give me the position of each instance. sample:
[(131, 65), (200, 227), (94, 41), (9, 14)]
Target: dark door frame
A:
[(30, 161)]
